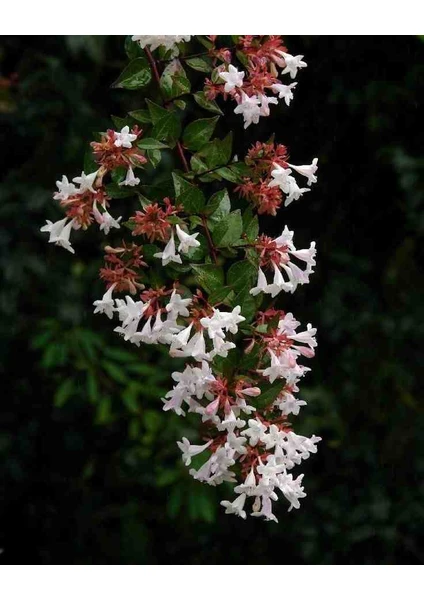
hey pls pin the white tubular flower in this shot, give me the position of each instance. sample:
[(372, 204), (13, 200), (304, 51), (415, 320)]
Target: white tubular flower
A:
[(186, 241), (232, 77), (249, 108), (269, 471), (65, 188), (288, 404), (231, 422), (59, 233), (237, 443), (190, 450), (293, 191), (291, 489), (154, 41), (266, 510), (278, 368), (86, 182), (220, 348), (105, 219), (222, 320), (293, 63), (255, 431), (288, 324), (130, 179), (195, 348), (280, 177), (130, 311), (284, 91), (235, 507), (169, 255), (307, 171), (181, 339), (107, 304), (278, 283), (265, 102), (306, 337), (249, 486), (261, 284), (177, 306), (124, 138)]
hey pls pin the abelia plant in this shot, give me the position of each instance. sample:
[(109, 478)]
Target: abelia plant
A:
[(193, 272)]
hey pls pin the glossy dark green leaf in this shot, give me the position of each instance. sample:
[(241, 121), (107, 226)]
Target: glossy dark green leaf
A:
[(210, 105), (228, 230), (174, 81), (250, 225), (135, 75), (200, 63), (209, 277), (217, 152), (150, 144), (241, 274), (167, 128), (189, 195), (154, 157), (218, 208), (156, 111), (197, 133), (142, 115)]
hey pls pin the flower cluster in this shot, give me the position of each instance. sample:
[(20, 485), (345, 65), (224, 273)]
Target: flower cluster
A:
[(270, 179), (179, 281), (257, 86), (87, 201)]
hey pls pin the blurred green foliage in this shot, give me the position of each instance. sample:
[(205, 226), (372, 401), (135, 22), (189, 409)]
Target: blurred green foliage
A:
[(89, 468)]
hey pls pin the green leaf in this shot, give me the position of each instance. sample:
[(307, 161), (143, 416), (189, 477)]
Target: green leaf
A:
[(150, 144), (135, 75), (209, 277), (228, 230), (180, 104), (156, 112), (242, 58), (229, 175), (142, 115), (204, 41), (114, 372), (197, 133), (120, 122), (154, 157), (248, 303), (174, 81), (250, 225), (217, 152), (269, 393), (133, 49), (115, 191), (189, 195), (63, 392), (241, 274), (224, 295), (167, 128), (92, 387), (210, 105), (218, 208), (200, 63)]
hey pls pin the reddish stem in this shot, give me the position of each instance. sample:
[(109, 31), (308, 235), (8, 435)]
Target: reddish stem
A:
[(212, 249)]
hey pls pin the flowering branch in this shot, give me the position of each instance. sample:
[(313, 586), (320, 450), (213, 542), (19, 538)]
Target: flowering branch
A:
[(243, 353)]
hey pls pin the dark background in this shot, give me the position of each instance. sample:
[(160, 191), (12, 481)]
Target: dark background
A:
[(89, 468)]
